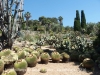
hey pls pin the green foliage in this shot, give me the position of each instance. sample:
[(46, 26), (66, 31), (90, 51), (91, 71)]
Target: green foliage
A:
[(83, 20), (77, 26)]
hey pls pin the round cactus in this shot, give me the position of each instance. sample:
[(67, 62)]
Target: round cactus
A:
[(9, 72), (45, 58), (39, 50), (1, 66), (15, 48), (83, 56), (55, 57), (20, 66), (21, 54), (65, 57), (88, 63), (36, 53), (6, 52), (31, 60), (43, 70)]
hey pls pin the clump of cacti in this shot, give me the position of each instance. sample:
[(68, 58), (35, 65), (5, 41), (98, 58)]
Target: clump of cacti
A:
[(55, 56), (20, 66), (65, 57), (9, 72), (88, 63), (1, 66), (45, 58), (31, 60)]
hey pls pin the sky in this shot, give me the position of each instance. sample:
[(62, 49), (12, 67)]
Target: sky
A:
[(65, 8)]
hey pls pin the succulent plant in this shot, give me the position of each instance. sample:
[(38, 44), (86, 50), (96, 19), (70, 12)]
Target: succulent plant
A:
[(55, 57), (20, 66), (39, 50), (21, 54), (9, 72), (88, 63), (15, 48), (5, 52), (45, 58), (43, 70), (37, 53), (9, 59), (31, 60), (65, 57), (1, 66)]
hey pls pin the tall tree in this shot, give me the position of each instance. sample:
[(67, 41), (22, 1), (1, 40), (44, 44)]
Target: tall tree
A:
[(77, 26), (83, 20), (60, 18), (27, 15)]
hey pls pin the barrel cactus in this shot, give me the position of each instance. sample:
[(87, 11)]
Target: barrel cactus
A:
[(39, 50), (15, 48), (21, 54), (45, 58), (65, 57), (88, 63), (9, 59), (9, 72), (55, 57), (31, 60), (5, 52), (37, 53), (1, 66), (20, 66)]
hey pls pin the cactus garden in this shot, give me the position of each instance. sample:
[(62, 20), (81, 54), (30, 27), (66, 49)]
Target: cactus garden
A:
[(47, 46)]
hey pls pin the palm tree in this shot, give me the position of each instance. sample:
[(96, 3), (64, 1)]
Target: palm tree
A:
[(60, 20), (27, 15)]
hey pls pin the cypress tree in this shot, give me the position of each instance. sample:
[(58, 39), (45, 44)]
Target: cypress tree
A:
[(77, 26), (83, 20)]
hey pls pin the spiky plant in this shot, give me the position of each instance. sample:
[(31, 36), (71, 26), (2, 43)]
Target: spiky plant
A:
[(1, 66), (65, 57), (21, 54), (43, 70), (9, 72), (20, 66), (15, 48), (37, 53), (39, 50), (45, 58), (31, 60), (88, 63), (55, 57)]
